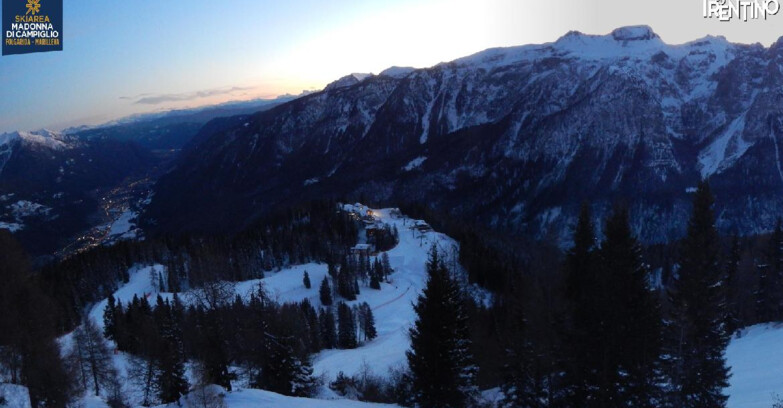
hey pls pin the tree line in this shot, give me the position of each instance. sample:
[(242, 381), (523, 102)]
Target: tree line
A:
[(42, 304), (313, 232), (271, 342), (595, 328)]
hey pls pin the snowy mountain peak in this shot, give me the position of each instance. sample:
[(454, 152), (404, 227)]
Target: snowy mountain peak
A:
[(361, 76), (397, 72), (347, 80), (42, 137), (634, 33)]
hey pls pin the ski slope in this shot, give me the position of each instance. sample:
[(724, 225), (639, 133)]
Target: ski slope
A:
[(756, 358), (252, 398), (392, 307)]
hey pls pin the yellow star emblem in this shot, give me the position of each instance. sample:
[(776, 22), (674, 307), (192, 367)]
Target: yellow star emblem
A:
[(33, 6)]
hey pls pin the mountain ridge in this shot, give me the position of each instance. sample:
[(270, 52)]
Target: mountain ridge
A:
[(514, 137)]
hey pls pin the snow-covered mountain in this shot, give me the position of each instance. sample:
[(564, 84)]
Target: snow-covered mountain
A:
[(40, 139), (516, 137)]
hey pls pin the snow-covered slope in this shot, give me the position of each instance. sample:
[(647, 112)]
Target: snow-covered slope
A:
[(250, 398), (756, 361), (392, 307), (16, 396)]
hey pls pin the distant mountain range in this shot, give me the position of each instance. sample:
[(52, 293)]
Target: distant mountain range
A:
[(513, 137), (54, 186)]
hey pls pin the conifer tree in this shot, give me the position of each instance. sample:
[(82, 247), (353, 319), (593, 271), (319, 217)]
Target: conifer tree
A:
[(584, 323), (697, 338), (385, 266), (346, 285), (306, 280), (367, 321), (170, 359), (768, 295), (614, 337), (441, 364), (632, 335), (374, 280), (30, 350), (522, 387), (732, 292), (257, 335), (285, 373), (109, 318), (212, 352), (346, 327), (44, 374), (325, 292), (313, 327), (327, 325)]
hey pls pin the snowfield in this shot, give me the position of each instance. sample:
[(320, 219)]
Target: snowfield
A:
[(251, 398), (392, 307), (756, 361), (124, 227), (16, 396), (756, 358)]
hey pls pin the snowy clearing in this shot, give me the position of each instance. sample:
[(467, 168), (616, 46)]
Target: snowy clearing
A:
[(124, 226), (756, 361), (392, 307)]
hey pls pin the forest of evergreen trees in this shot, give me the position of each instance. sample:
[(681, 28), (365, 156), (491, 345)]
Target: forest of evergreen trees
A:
[(607, 323), (600, 326), (315, 232), (271, 342)]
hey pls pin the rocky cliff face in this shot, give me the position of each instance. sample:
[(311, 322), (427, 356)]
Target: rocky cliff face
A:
[(515, 137)]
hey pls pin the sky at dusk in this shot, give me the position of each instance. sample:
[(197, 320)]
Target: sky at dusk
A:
[(133, 56)]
